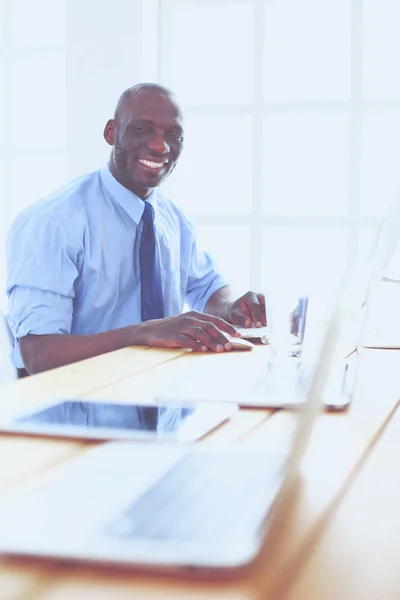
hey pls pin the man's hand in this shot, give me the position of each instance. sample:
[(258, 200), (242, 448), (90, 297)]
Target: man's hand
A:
[(194, 330), (248, 310)]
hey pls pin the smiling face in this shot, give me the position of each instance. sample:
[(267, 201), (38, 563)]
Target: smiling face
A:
[(147, 138)]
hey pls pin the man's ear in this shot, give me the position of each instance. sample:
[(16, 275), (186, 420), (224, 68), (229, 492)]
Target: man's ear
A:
[(109, 132)]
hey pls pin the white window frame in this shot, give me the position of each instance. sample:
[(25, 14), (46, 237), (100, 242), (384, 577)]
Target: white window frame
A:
[(7, 151), (353, 221)]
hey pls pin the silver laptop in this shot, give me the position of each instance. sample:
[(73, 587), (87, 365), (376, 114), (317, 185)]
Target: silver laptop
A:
[(258, 379), (152, 506), (381, 325), (277, 377)]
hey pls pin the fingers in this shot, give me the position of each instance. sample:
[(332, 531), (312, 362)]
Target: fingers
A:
[(239, 317), (221, 324), (191, 330), (249, 310), (185, 341), (254, 309), (208, 335), (261, 300)]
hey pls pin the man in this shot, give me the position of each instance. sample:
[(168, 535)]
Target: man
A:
[(107, 262)]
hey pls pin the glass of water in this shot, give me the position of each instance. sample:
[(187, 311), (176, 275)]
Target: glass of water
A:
[(286, 322)]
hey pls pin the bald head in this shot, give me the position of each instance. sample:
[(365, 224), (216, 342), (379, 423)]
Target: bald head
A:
[(141, 91), (147, 136)]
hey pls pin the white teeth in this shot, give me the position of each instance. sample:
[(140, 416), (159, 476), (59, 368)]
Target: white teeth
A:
[(151, 164)]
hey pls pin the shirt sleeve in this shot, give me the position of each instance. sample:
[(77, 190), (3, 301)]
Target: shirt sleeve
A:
[(42, 267), (203, 279)]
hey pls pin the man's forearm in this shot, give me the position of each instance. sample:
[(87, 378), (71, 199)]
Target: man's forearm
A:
[(218, 304), (43, 352)]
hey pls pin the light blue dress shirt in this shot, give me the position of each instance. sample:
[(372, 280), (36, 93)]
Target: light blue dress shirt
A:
[(73, 260)]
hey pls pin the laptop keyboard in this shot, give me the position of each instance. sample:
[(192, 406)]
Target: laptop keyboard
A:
[(203, 495)]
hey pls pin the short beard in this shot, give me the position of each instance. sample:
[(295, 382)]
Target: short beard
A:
[(120, 157)]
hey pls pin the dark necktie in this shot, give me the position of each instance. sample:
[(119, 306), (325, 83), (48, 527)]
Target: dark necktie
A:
[(150, 273)]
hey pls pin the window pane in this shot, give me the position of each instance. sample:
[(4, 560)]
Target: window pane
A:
[(31, 178), (307, 259), (306, 160), (367, 235), (381, 48), (230, 249), (214, 175), (38, 102), (1, 21), (3, 203), (37, 23), (2, 108), (210, 54), (380, 172), (3, 231), (307, 50)]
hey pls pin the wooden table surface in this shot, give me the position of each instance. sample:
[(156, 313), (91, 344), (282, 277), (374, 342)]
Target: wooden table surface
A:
[(339, 536)]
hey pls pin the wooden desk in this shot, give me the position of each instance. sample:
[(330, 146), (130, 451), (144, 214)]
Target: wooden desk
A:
[(338, 453), (357, 555)]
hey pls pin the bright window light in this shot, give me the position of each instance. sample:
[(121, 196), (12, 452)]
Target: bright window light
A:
[(214, 175), (306, 164), (37, 23), (293, 120), (38, 120), (381, 49), (307, 50), (380, 152), (211, 53), (303, 258)]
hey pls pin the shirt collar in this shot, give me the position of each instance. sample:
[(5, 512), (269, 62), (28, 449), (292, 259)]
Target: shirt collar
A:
[(132, 204)]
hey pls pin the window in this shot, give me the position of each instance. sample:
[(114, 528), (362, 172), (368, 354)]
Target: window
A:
[(292, 131), (63, 66), (32, 104)]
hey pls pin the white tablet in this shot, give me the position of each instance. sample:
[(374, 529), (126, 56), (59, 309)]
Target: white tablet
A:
[(103, 420)]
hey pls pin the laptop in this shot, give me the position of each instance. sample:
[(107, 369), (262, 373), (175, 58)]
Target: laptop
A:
[(380, 322), (383, 326), (187, 508), (262, 379), (273, 377)]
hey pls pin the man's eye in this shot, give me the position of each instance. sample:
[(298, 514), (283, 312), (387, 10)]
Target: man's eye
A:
[(176, 136), (140, 129)]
